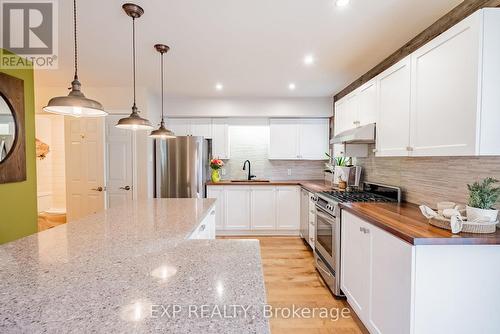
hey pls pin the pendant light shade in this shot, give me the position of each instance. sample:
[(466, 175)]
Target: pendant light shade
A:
[(134, 121), (75, 104), (162, 132)]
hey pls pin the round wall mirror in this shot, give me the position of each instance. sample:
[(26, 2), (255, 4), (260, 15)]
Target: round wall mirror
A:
[(7, 129)]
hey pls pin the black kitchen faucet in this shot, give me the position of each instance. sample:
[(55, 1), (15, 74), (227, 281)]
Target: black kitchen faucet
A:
[(250, 176)]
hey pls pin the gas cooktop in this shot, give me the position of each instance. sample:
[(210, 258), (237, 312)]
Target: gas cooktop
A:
[(371, 193)]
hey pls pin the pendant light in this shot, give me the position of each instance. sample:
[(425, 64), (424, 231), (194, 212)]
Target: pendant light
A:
[(75, 104), (162, 132), (134, 121)]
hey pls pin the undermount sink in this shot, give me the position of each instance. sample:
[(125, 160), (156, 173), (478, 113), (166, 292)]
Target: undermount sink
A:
[(254, 181)]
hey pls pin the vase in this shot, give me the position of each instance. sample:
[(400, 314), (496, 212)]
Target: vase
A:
[(481, 214), (215, 175)]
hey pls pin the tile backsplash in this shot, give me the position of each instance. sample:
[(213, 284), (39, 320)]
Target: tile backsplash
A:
[(249, 139), (430, 180)]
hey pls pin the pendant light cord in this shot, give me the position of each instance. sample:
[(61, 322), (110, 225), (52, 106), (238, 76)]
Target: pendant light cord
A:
[(162, 75), (74, 35), (133, 53)]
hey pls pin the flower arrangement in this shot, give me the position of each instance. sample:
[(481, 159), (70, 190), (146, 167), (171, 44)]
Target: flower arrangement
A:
[(216, 164)]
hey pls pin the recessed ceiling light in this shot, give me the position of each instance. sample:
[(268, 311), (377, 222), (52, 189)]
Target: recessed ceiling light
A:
[(342, 3), (309, 59), (219, 86), (291, 86)]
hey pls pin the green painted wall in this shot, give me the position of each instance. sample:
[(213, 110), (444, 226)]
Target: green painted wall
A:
[(18, 213)]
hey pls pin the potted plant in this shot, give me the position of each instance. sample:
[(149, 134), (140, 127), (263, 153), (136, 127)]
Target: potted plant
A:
[(215, 165), (482, 197)]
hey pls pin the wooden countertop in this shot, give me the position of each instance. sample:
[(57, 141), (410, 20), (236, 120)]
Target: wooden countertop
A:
[(310, 185), (405, 221)]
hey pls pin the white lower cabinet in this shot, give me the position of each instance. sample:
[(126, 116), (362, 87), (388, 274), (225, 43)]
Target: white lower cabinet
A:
[(247, 209), (237, 208), (288, 208), (263, 208), (206, 229), (376, 276)]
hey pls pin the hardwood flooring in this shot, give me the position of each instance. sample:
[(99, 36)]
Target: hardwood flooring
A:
[(46, 221), (291, 279)]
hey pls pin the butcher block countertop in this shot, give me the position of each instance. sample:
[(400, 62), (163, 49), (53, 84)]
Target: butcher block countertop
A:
[(310, 185), (405, 221)]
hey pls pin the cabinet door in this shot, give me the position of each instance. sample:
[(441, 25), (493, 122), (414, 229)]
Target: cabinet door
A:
[(355, 262), (217, 192), (390, 302), (263, 212), (343, 117), (283, 140), (220, 138), (201, 127), (180, 126), (445, 90), (313, 138), (304, 214), (367, 104), (237, 208), (393, 126), (288, 208)]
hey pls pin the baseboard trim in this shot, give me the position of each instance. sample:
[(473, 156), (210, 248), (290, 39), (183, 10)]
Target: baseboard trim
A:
[(287, 233)]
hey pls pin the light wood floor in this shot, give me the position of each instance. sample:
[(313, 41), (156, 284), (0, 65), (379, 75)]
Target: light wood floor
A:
[(291, 279), (46, 221)]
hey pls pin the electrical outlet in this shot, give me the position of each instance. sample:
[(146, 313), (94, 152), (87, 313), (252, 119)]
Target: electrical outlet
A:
[(223, 171), (289, 172)]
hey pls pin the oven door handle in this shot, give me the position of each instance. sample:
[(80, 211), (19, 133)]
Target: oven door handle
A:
[(324, 215), (320, 267)]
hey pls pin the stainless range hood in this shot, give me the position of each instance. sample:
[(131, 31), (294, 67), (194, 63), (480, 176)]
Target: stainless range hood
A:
[(361, 135)]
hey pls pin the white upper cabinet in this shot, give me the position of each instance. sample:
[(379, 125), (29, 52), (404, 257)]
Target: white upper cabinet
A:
[(313, 138), (220, 138), (393, 124), (444, 86), (283, 140), (367, 104), (191, 126), (296, 139), (201, 127), (344, 117), (442, 100)]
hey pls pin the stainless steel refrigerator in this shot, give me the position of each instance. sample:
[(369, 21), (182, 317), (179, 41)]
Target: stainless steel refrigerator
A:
[(182, 167)]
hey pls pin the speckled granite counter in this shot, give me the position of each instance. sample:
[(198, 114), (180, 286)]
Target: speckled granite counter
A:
[(132, 270)]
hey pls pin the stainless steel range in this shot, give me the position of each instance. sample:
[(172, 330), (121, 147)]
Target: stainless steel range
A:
[(328, 225)]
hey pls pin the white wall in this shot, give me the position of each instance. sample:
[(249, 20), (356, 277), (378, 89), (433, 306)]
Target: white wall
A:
[(249, 107)]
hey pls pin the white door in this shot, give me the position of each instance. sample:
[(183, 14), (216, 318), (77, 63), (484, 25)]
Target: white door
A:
[(217, 192), (84, 141), (313, 138), (444, 87), (288, 208), (237, 208), (119, 164), (201, 127), (355, 263), (393, 126), (263, 211), (367, 104), (283, 141), (220, 138)]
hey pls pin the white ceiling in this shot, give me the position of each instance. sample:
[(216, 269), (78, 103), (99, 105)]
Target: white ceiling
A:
[(254, 47)]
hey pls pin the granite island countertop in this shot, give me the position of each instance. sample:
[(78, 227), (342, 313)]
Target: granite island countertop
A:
[(132, 269)]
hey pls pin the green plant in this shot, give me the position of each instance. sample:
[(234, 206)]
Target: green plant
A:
[(342, 161), (483, 195)]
